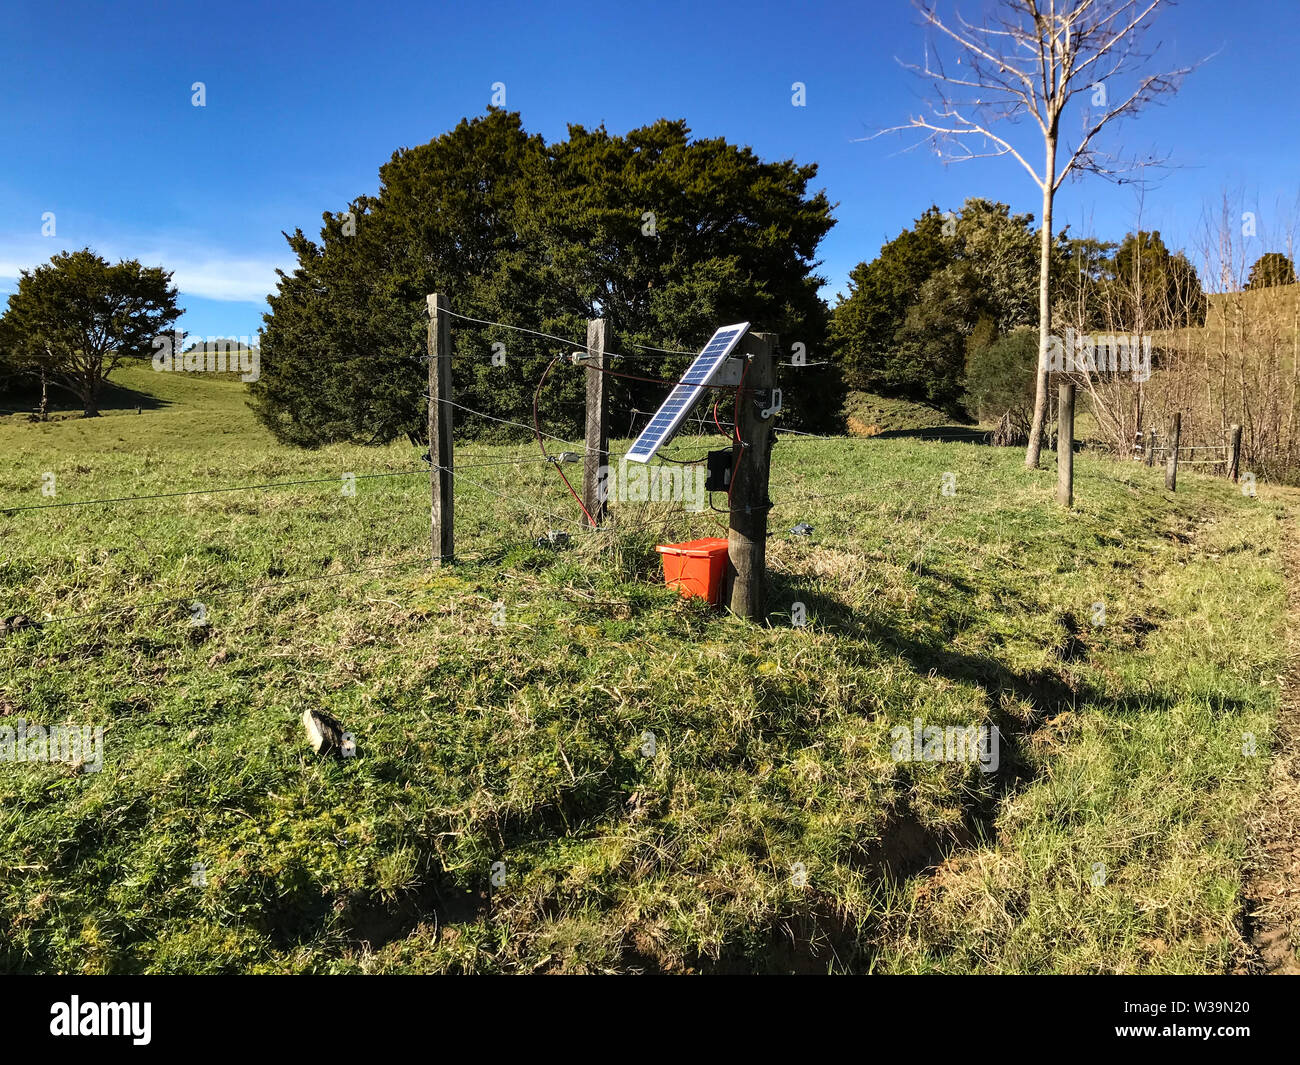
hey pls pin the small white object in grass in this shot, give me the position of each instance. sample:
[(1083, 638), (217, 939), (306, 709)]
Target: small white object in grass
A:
[(554, 538)]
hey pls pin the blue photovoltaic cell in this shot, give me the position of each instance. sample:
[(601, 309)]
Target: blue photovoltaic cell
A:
[(683, 396)]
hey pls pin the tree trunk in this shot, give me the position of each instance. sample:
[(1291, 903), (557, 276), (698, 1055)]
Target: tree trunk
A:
[(44, 412), (1044, 308)]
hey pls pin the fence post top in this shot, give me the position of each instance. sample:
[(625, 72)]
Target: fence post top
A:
[(433, 300)]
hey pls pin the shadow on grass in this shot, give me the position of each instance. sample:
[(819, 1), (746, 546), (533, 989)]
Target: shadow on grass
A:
[(112, 399), (1021, 703), (118, 397), (947, 434)]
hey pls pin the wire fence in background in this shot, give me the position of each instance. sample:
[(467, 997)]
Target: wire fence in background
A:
[(621, 520), (617, 525)]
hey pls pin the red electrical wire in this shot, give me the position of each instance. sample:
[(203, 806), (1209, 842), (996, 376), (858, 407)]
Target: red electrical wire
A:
[(537, 431)]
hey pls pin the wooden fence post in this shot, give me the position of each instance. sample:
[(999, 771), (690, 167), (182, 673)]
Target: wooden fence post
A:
[(1151, 447), (595, 489), (1234, 455), (1171, 468), (1065, 444), (441, 459), (747, 537)]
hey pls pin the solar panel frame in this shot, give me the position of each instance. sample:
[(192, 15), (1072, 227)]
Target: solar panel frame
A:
[(672, 412)]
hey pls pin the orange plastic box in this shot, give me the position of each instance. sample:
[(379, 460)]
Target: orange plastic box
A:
[(697, 567)]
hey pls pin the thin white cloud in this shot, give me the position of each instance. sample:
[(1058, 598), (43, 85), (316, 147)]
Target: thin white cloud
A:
[(230, 280)]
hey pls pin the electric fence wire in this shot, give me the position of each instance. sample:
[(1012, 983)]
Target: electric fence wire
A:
[(202, 595), (572, 344), (455, 472), (616, 527), (237, 488)]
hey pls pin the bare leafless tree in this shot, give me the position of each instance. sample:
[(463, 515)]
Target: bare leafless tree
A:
[(1031, 58)]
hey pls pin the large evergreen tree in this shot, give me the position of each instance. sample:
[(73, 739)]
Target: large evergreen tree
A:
[(665, 236), (1152, 288), (904, 326), (1270, 269), (880, 292)]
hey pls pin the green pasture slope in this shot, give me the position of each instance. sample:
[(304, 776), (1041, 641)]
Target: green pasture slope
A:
[(771, 829)]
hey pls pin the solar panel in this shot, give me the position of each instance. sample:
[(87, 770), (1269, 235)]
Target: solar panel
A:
[(683, 396)]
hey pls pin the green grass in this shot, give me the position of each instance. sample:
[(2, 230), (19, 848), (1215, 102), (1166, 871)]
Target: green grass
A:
[(521, 743), (866, 414)]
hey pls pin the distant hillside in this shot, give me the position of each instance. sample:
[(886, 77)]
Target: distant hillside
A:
[(1279, 306), (220, 344)]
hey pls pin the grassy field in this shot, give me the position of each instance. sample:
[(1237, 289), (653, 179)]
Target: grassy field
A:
[(503, 814)]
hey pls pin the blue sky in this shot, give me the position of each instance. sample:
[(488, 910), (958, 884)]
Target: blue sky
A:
[(306, 101)]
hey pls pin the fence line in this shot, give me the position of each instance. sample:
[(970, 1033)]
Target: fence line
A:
[(220, 489), (572, 344), (202, 595), (934, 482), (703, 419), (210, 491), (197, 595)]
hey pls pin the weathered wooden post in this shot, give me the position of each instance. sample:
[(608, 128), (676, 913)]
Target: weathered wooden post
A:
[(1234, 455), (1171, 468), (1151, 447), (1065, 444), (747, 537), (595, 490), (441, 459)]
